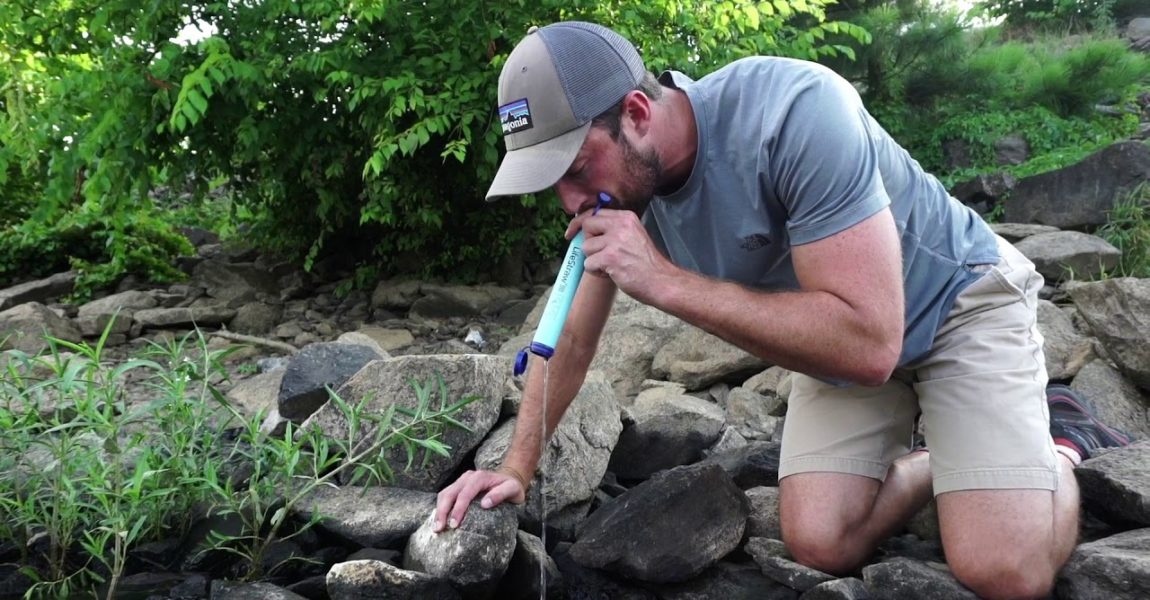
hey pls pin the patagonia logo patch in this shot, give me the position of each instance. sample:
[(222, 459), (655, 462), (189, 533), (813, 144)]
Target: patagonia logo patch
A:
[(515, 116)]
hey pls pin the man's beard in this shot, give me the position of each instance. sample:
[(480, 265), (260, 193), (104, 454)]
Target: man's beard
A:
[(643, 171)]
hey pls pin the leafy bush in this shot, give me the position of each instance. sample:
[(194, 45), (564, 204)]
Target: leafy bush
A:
[(362, 130)]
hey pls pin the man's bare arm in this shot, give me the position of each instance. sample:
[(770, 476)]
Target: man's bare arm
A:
[(568, 368), (845, 322)]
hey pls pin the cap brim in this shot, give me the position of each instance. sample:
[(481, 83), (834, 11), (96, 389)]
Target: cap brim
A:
[(535, 168)]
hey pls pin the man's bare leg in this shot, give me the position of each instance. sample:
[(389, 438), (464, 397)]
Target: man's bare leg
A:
[(1010, 543), (834, 521)]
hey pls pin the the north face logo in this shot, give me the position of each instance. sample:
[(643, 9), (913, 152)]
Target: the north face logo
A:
[(754, 242)]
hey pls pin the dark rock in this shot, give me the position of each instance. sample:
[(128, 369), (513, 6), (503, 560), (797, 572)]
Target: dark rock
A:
[(984, 192), (40, 290), (1116, 484), (194, 587), (1080, 195), (668, 429), (753, 465), (906, 579), (529, 572), (667, 529), (847, 588), (1113, 568), (581, 583), (313, 370), (312, 588), (727, 581), (236, 283), (791, 574)]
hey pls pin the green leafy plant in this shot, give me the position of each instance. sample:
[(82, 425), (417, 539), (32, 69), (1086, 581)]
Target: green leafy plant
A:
[(86, 475), (285, 470)]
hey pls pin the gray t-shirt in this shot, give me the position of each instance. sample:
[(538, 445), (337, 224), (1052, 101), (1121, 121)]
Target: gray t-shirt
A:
[(788, 155)]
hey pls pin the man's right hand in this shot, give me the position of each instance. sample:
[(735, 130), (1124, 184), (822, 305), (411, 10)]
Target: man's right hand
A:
[(451, 504)]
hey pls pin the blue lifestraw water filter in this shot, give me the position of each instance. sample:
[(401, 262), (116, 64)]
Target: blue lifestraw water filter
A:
[(559, 302)]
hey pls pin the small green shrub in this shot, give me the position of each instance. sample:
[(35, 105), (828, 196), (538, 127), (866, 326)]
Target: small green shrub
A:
[(85, 476), (1128, 229)]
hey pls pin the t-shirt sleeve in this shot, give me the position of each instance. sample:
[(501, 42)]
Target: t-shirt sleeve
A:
[(824, 160)]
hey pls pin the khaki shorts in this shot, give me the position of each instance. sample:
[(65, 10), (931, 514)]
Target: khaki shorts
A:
[(981, 391)]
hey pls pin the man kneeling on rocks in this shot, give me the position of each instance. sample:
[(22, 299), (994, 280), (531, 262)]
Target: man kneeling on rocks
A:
[(763, 204)]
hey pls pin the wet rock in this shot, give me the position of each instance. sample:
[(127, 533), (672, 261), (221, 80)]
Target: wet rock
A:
[(314, 369)]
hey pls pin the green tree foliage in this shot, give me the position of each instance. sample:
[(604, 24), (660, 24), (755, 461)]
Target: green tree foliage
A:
[(363, 129), (1059, 15)]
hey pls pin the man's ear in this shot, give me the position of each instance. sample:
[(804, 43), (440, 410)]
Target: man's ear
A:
[(636, 113)]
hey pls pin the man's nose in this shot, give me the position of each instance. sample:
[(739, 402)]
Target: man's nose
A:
[(570, 196)]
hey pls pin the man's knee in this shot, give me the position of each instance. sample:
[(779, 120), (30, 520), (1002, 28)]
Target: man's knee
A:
[(1023, 577), (818, 548)]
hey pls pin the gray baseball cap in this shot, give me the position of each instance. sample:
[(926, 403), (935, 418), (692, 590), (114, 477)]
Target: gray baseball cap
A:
[(556, 80)]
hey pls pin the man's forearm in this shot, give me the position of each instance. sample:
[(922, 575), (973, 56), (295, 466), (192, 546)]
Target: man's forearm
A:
[(567, 370), (811, 332)]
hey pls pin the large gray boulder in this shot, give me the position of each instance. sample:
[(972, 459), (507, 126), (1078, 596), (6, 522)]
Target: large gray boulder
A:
[(201, 314), (1080, 195), (40, 290), (1112, 568), (442, 301), (93, 317), (1064, 255), (697, 359), (634, 334), (382, 384), (1066, 350), (575, 459), (1116, 484), (1118, 314), (373, 517), (669, 528), (235, 283), (25, 327), (764, 519), (314, 369), (472, 557)]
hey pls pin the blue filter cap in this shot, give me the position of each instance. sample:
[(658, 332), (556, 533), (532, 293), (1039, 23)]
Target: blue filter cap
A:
[(520, 363)]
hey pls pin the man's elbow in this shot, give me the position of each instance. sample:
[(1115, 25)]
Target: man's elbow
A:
[(879, 364)]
